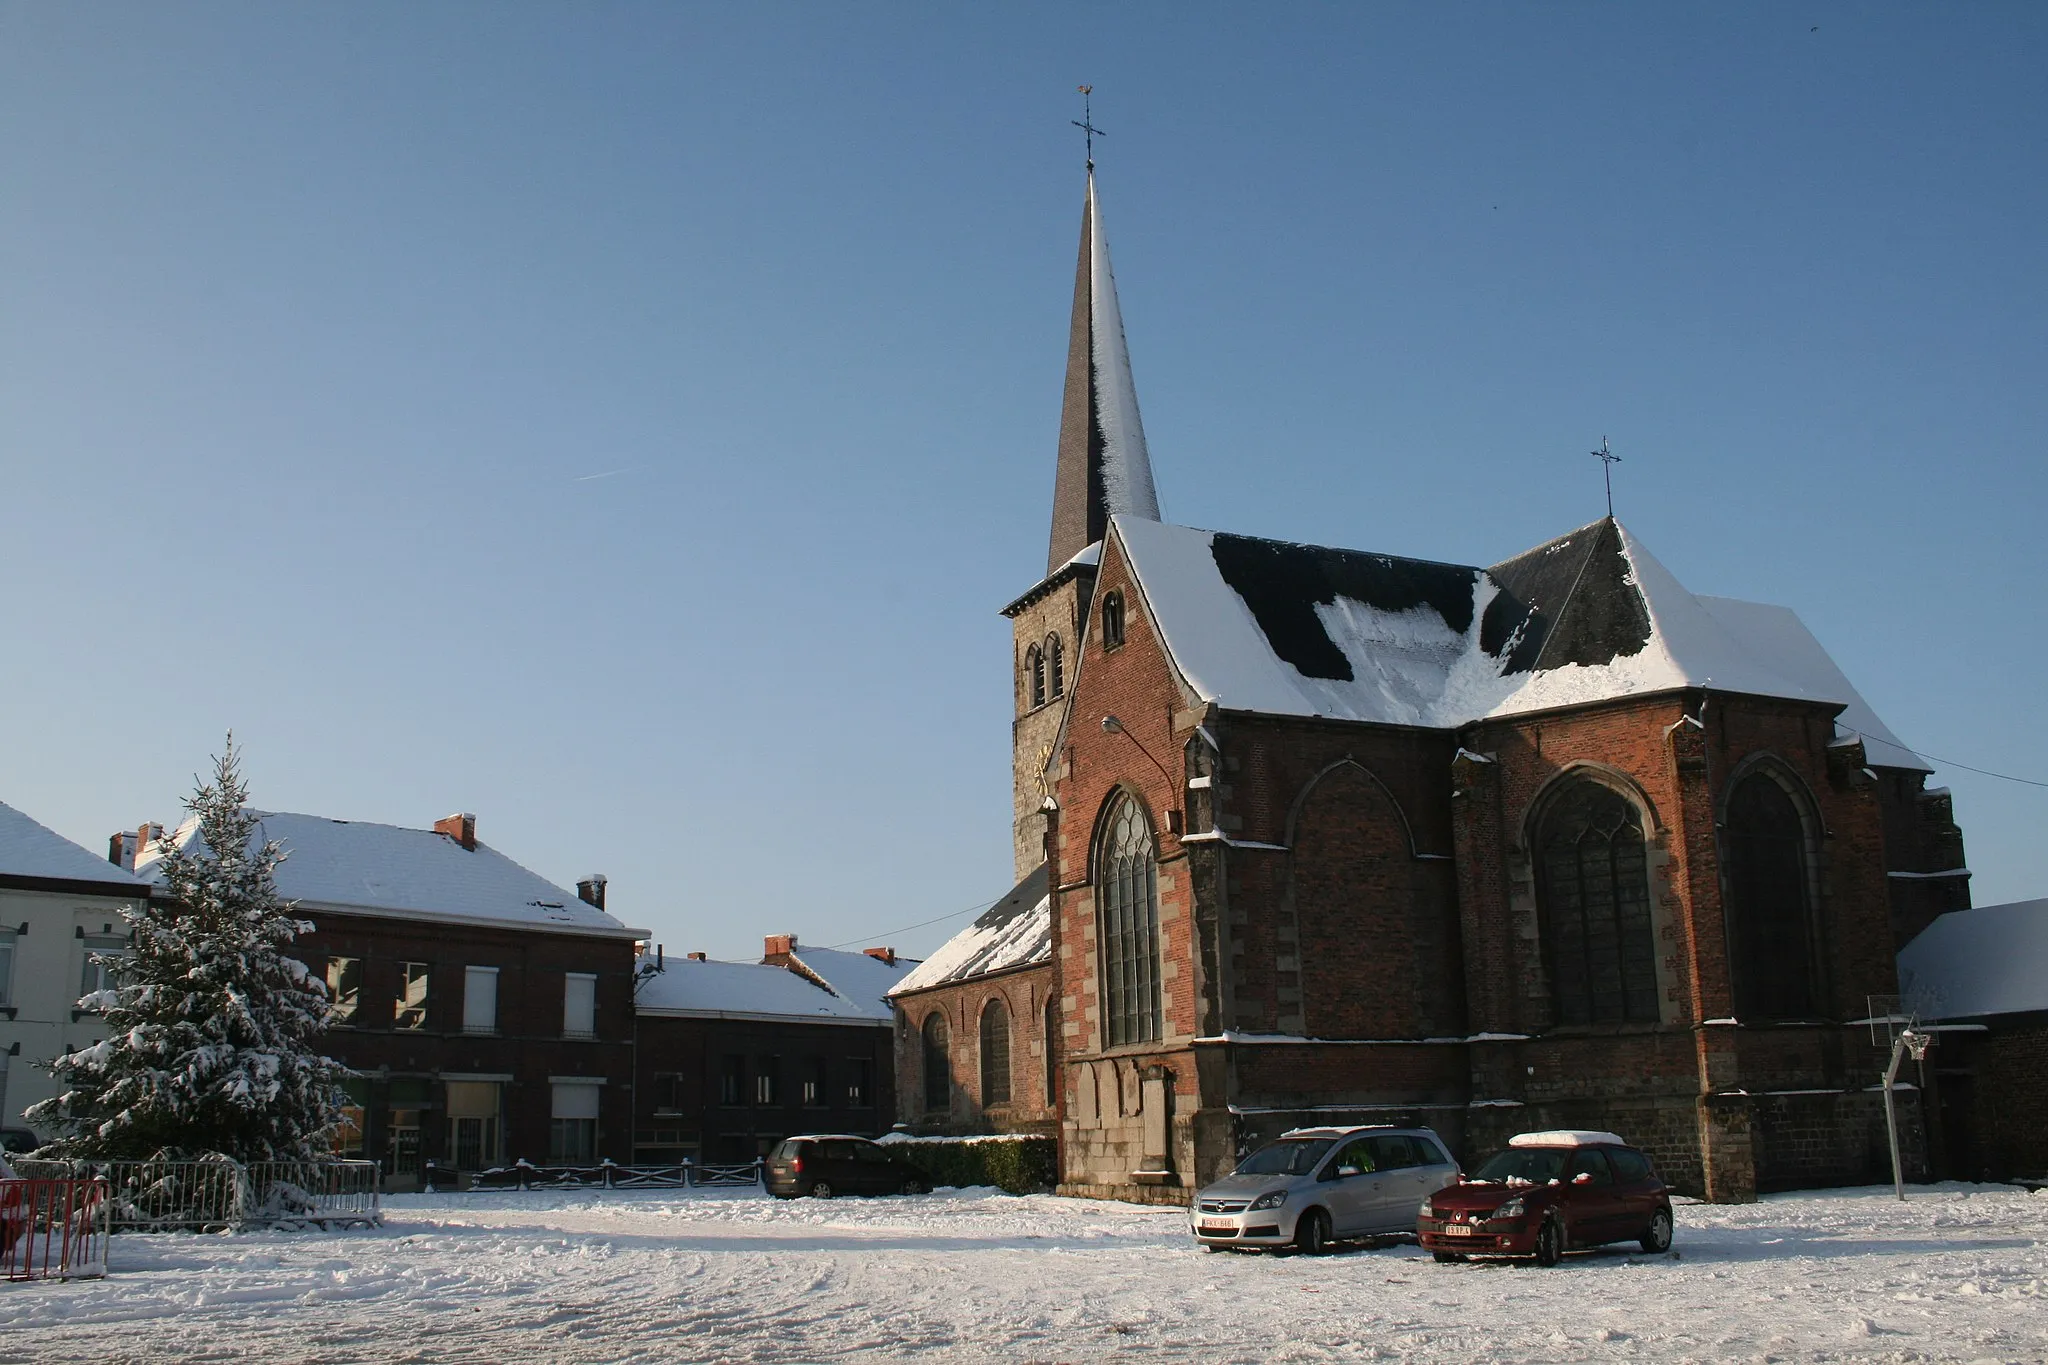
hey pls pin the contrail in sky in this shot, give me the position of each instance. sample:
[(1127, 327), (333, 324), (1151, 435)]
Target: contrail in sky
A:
[(586, 478)]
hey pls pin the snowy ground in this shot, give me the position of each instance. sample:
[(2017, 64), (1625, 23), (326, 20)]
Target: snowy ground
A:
[(1955, 1274)]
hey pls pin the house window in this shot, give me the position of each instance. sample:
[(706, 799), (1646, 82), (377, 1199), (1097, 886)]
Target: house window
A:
[(938, 1067), (766, 1073), (860, 1088), (1055, 666), (480, 1000), (1112, 620), (1770, 920), (1127, 885), (412, 995), (1199, 761), (668, 1092), (475, 1125), (732, 1082), (103, 956), (7, 937), (344, 990), (1034, 674), (995, 1052), (348, 1133), (572, 1128), (815, 1085), (1052, 1033), (579, 1005), (1593, 895)]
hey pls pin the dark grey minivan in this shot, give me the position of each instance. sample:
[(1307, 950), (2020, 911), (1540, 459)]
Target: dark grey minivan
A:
[(1316, 1185), (822, 1165)]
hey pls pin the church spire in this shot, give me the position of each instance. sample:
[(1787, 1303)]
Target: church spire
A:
[(1104, 468)]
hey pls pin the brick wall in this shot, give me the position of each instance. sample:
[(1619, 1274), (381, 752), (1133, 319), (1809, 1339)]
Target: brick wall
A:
[(1023, 991)]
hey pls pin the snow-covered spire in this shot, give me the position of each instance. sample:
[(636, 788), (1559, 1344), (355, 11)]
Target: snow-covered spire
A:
[(1104, 467)]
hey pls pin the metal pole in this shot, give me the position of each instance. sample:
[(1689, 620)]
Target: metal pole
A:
[(1891, 1119)]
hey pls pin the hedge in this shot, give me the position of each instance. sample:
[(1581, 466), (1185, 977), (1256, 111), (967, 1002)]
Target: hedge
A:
[(1023, 1164)]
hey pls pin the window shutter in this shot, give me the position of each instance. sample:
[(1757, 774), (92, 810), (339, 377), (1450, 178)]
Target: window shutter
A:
[(579, 1005), (480, 1000)]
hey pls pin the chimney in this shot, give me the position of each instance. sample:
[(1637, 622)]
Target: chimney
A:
[(591, 890), (121, 849), (776, 948), (461, 828), (887, 955), (695, 957)]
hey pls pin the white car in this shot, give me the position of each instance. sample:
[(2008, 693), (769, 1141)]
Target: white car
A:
[(1317, 1185)]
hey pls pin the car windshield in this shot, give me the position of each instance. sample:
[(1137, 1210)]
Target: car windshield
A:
[(1288, 1156), (1523, 1166)]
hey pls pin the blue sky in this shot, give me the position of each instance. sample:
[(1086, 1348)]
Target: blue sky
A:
[(318, 321)]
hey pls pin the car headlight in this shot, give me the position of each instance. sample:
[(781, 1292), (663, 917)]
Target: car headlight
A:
[(1425, 1211), (1512, 1209), (1272, 1199)]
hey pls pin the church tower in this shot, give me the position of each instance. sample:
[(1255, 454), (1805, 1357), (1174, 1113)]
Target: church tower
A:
[(1103, 470)]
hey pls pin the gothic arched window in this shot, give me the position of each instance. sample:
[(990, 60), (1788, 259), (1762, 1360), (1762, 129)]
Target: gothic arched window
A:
[(1593, 896), (938, 1067), (1770, 915), (1200, 798), (1052, 1071), (1034, 675), (995, 1052), (1056, 666), (1127, 896), (1112, 619)]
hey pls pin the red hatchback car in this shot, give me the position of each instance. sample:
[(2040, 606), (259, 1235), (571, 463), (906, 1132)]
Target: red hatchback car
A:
[(1546, 1194)]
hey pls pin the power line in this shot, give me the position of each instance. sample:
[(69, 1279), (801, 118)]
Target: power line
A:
[(1937, 758), (869, 938)]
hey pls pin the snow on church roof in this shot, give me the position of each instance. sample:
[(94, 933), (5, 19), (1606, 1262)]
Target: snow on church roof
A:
[(1973, 963), (1284, 629), (354, 865), (1014, 932), (29, 849)]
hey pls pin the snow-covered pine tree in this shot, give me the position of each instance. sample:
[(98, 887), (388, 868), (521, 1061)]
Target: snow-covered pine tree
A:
[(212, 1029)]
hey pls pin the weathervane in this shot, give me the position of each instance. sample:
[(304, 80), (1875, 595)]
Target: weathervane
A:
[(1086, 123), (1608, 460)]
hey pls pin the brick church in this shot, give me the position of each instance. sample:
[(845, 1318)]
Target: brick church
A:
[(1310, 835)]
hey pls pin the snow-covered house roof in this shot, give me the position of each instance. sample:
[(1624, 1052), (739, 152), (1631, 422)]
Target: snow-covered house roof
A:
[(33, 852), (858, 978), (1278, 628), (354, 866), (1014, 932), (699, 989), (1973, 963)]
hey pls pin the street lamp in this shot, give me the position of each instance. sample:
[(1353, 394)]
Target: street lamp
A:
[(1112, 726)]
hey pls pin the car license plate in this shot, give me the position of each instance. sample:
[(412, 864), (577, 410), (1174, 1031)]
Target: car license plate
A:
[(1218, 1225), (1458, 1230)]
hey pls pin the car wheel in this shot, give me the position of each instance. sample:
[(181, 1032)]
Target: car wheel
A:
[(1448, 1257), (1550, 1241), (913, 1186), (1658, 1238), (1312, 1233), (821, 1189), (1212, 1248)]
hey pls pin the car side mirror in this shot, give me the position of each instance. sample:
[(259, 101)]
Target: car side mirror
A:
[(1583, 1178), (1347, 1170)]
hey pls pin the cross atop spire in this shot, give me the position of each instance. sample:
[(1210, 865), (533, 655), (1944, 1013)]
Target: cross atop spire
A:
[(1086, 123), (1104, 467)]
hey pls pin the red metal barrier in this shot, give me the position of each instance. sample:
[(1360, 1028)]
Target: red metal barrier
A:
[(53, 1229)]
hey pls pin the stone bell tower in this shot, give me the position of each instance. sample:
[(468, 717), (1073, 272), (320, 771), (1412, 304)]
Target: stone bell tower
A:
[(1104, 469)]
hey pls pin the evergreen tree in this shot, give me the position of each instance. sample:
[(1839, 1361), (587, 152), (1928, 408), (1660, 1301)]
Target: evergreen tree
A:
[(212, 1028)]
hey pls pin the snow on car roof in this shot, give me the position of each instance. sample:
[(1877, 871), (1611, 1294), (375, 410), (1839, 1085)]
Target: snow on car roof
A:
[(356, 866), (1568, 1137), (1277, 628), (29, 849)]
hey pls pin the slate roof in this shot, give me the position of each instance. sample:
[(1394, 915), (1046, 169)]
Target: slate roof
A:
[(34, 851), (1970, 964), (355, 865), (1014, 932), (1278, 628), (865, 981), (689, 989)]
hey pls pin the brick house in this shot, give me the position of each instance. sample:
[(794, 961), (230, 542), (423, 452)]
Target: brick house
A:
[(973, 1022), (735, 1056), (60, 904), (1550, 843), (1980, 978), (486, 1012)]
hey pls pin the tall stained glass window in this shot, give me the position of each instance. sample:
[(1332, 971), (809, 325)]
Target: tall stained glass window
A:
[(1593, 890), (1127, 895)]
